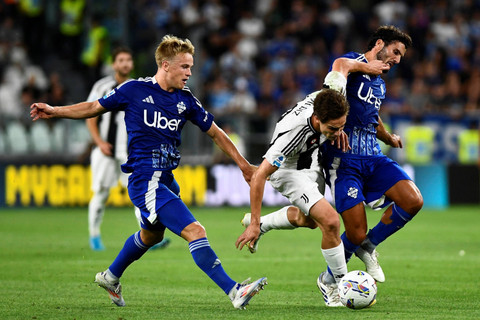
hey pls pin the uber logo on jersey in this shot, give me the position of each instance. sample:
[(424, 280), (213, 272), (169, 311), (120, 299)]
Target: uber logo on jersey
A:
[(368, 97), (161, 122)]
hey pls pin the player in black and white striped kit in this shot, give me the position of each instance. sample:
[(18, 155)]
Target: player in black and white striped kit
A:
[(109, 134), (110, 137), (292, 165)]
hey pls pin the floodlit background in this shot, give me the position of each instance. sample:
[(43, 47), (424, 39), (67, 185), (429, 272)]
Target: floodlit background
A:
[(253, 61)]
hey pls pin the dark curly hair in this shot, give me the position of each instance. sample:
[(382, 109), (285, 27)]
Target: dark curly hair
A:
[(389, 34)]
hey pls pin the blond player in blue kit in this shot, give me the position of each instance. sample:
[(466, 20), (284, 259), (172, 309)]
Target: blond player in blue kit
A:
[(110, 138), (156, 109)]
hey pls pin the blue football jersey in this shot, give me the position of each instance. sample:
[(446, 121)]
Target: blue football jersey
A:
[(154, 119), (365, 94)]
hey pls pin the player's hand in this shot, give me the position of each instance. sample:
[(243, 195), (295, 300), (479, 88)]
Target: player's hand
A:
[(248, 173), (395, 141), (342, 142), (377, 67), (248, 237), (40, 110), (106, 148)]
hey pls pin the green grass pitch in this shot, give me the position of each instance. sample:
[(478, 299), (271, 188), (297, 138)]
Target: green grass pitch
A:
[(47, 269)]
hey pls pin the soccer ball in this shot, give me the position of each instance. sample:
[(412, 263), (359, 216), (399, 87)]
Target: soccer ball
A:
[(357, 290)]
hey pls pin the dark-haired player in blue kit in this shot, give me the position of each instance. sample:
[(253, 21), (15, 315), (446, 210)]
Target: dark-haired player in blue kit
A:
[(156, 109), (362, 174)]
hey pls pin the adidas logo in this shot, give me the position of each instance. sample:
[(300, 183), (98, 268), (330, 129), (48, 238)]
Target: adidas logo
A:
[(148, 99), (216, 263)]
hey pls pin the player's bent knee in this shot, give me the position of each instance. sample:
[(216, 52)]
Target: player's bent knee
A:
[(151, 238), (415, 200), (331, 224), (300, 219), (356, 237), (415, 204), (418, 205), (193, 232)]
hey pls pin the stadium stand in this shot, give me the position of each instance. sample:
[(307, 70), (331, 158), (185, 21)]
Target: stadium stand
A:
[(278, 53)]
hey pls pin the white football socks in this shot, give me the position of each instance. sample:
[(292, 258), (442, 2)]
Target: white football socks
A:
[(335, 258), (276, 220), (96, 209)]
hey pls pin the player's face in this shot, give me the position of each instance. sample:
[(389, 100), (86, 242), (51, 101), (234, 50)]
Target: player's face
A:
[(123, 64), (392, 54), (332, 129), (179, 70)]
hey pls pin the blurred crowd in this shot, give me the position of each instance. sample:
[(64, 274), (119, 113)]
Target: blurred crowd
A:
[(252, 57)]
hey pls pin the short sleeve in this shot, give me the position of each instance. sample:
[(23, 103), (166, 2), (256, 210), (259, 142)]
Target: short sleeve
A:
[(114, 100), (199, 116)]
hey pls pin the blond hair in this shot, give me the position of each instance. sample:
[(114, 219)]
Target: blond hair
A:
[(172, 46)]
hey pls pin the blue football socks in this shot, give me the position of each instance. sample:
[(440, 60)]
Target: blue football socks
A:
[(382, 231), (349, 247), (207, 260), (132, 250)]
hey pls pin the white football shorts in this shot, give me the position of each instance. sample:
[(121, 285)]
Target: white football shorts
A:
[(106, 171), (303, 188)]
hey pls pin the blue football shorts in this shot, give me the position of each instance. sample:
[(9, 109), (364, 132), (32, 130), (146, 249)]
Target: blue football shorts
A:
[(157, 198), (354, 180)]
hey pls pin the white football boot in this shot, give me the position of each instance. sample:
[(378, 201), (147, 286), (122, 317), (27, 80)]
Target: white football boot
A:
[(114, 289), (241, 293), (329, 291), (371, 263), (246, 222)]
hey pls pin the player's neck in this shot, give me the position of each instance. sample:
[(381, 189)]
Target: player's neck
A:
[(120, 79), (162, 82), (370, 55)]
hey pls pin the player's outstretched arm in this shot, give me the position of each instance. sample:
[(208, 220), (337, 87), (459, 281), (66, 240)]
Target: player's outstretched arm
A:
[(222, 140), (80, 110), (257, 186)]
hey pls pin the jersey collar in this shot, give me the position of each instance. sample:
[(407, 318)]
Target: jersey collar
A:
[(309, 121), (362, 57)]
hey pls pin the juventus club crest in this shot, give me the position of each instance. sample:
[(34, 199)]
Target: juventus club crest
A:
[(181, 107)]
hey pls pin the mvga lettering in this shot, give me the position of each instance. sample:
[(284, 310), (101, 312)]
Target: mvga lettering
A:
[(160, 122)]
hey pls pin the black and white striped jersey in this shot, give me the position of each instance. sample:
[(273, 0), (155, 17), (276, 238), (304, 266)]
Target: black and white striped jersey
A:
[(295, 143), (111, 125)]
